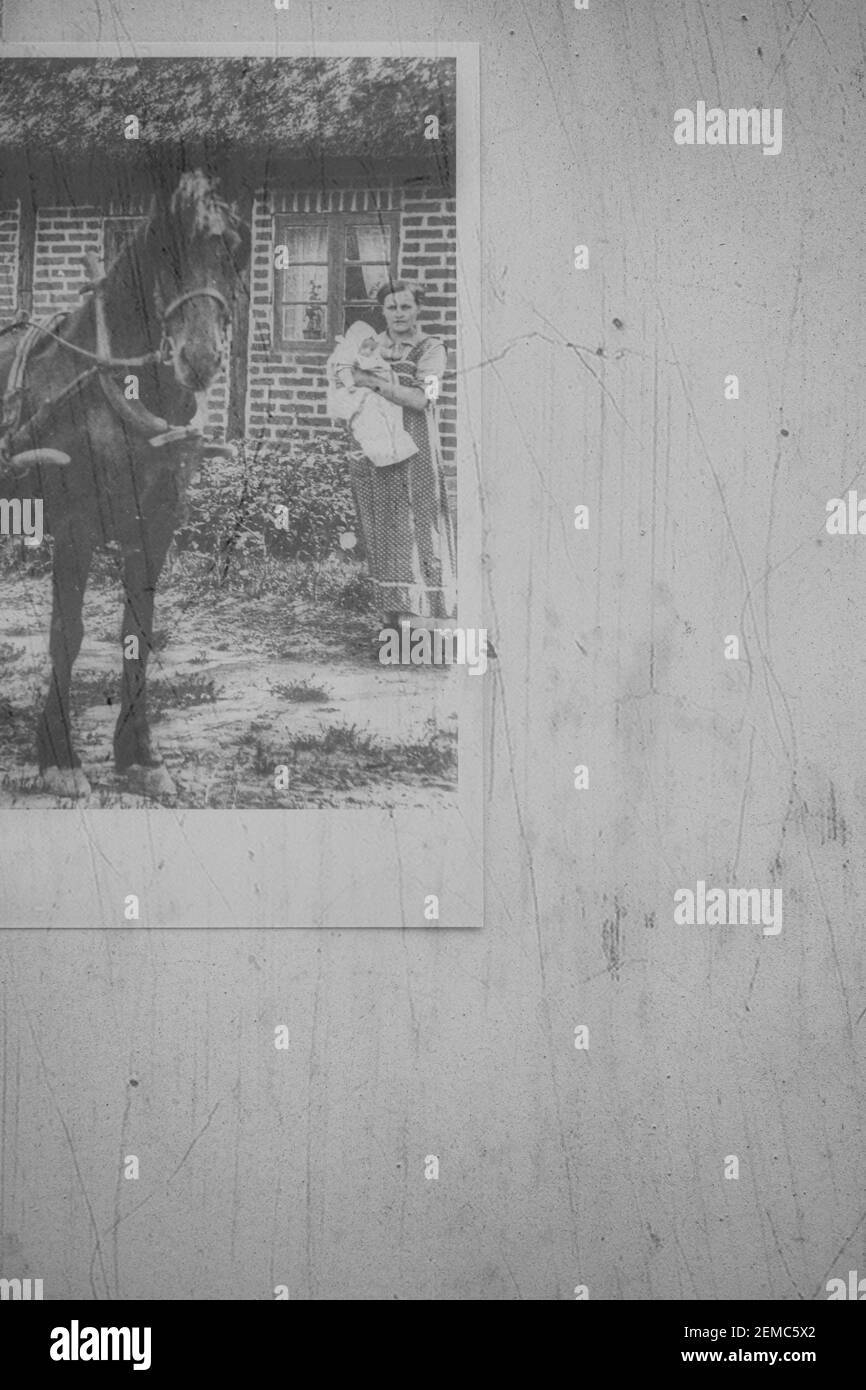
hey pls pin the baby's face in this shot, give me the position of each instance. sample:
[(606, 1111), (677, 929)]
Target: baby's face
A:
[(368, 347)]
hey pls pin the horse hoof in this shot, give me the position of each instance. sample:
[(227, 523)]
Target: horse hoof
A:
[(150, 781), (64, 781)]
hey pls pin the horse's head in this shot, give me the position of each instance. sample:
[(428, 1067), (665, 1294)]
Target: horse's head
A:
[(197, 249)]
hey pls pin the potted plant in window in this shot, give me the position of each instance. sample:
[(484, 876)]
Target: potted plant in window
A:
[(314, 319)]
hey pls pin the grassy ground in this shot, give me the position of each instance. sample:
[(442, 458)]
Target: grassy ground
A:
[(273, 664)]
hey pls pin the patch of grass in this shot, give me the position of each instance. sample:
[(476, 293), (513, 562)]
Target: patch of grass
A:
[(345, 755), (341, 738), (357, 594), (432, 757), (303, 691), (337, 580), (17, 730), (192, 689), (19, 559), (260, 758), (158, 640), (163, 696)]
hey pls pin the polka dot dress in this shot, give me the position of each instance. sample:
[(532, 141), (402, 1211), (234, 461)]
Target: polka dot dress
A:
[(403, 509)]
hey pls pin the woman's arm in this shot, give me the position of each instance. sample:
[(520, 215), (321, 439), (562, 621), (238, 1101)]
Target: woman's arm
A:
[(411, 396)]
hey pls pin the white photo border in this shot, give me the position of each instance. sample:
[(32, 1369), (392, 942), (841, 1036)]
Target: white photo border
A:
[(290, 868)]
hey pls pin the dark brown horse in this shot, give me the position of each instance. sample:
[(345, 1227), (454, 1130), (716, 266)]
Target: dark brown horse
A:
[(110, 467)]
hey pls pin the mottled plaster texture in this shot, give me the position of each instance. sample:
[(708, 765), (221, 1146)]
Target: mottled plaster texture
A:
[(603, 387)]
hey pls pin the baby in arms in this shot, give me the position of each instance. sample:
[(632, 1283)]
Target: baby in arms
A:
[(377, 424)]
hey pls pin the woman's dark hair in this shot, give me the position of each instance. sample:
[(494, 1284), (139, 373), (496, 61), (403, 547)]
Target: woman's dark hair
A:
[(396, 287)]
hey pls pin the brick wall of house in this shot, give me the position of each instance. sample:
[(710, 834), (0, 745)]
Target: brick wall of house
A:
[(9, 221), (428, 254), (286, 395), (63, 235)]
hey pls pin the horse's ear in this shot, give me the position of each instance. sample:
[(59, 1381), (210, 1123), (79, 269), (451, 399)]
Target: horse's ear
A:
[(160, 204), (163, 189)]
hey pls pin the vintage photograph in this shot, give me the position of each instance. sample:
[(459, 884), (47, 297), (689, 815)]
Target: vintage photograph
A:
[(230, 369)]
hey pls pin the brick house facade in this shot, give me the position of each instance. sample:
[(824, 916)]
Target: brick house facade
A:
[(287, 380), (283, 385), (9, 243)]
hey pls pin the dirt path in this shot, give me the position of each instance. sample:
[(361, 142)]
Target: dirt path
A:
[(238, 686)]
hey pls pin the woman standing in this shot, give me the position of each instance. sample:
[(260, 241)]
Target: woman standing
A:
[(403, 508)]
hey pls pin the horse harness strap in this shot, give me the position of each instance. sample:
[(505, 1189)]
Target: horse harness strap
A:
[(14, 433), (205, 293), (12, 397), (157, 431)]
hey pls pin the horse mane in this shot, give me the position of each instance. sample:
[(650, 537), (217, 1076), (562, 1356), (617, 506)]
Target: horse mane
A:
[(198, 210), (193, 212)]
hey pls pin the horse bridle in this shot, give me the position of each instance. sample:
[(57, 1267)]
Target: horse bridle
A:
[(157, 431), (205, 293), (133, 412), (102, 358)]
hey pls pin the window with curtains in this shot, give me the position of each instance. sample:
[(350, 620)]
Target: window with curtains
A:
[(332, 264)]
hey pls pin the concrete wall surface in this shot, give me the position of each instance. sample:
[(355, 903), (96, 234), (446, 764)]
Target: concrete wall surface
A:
[(559, 1165)]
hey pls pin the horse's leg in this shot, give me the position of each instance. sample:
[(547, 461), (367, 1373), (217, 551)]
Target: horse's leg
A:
[(59, 764), (134, 755)]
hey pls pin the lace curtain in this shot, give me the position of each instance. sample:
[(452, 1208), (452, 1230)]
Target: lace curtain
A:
[(374, 252)]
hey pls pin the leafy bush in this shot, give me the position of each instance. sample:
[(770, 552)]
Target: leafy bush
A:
[(232, 510)]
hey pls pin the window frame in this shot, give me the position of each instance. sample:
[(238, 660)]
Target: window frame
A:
[(337, 225), (112, 220)]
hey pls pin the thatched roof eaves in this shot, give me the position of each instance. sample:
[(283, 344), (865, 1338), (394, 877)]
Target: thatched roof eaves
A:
[(300, 108)]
